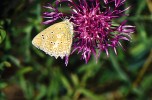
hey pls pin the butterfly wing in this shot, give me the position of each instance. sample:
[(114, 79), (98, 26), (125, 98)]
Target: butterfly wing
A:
[(55, 40)]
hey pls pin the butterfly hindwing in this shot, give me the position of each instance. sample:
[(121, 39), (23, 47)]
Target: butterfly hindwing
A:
[(55, 40)]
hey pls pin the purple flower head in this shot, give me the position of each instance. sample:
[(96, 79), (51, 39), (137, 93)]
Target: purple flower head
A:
[(95, 27)]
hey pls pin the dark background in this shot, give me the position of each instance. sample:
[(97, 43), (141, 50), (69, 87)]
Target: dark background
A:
[(27, 73)]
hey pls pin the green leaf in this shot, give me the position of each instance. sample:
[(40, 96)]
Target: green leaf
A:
[(75, 79), (7, 64), (89, 94), (146, 83), (2, 85), (24, 70), (117, 67), (42, 92), (141, 6), (67, 85), (4, 64), (2, 35), (14, 60)]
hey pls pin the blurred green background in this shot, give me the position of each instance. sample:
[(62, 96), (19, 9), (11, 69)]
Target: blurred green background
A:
[(27, 73)]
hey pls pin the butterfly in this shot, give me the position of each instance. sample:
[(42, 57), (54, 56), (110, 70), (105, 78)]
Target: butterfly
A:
[(55, 40)]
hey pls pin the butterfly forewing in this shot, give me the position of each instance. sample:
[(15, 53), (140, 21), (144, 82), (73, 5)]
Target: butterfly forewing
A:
[(56, 40)]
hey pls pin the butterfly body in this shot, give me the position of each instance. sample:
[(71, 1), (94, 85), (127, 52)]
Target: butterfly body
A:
[(55, 40)]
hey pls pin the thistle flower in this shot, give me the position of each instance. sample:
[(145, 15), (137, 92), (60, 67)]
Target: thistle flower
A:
[(95, 28)]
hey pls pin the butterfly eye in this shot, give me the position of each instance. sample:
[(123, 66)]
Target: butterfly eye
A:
[(52, 32)]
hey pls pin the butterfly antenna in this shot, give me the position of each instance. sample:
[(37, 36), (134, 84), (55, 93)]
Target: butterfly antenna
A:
[(61, 8), (63, 18)]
